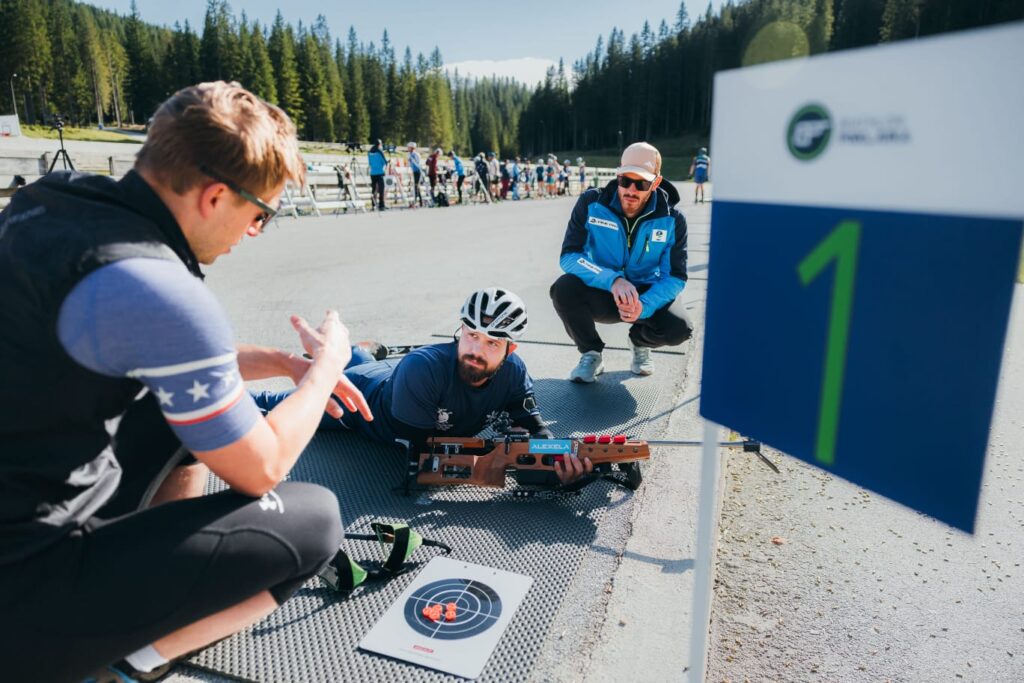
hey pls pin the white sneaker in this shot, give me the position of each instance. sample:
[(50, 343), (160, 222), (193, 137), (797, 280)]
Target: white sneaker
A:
[(589, 367), (643, 364)]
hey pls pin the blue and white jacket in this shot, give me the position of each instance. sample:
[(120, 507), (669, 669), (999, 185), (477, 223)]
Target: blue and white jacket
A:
[(601, 244)]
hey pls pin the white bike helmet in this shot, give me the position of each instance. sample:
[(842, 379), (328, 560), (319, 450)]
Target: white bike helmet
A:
[(496, 312)]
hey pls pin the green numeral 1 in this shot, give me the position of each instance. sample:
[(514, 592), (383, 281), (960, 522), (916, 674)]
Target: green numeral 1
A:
[(841, 246)]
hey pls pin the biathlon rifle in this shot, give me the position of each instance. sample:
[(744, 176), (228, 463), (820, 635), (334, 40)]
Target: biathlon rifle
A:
[(449, 461)]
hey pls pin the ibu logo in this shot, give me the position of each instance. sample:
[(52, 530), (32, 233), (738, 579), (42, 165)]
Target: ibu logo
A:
[(557, 446), (809, 132)]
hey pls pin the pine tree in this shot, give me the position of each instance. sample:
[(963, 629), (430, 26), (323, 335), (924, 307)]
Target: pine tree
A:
[(336, 103), (142, 73), (281, 49), (68, 76), (819, 33), (394, 119), (183, 61), (342, 112), (406, 94), (318, 124), (262, 72), (25, 50), (219, 54), (682, 18), (117, 59), (359, 116), (246, 65), (900, 19), (376, 88), (94, 64)]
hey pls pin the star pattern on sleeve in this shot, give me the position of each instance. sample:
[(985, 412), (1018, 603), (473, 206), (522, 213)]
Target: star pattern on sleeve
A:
[(227, 378), (165, 397), (198, 391)]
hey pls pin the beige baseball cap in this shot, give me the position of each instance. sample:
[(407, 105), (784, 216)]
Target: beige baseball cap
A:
[(640, 159)]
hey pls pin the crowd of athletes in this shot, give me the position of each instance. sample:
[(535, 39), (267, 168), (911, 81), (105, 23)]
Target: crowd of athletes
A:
[(437, 177)]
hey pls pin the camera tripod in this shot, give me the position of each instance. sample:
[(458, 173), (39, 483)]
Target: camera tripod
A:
[(62, 153)]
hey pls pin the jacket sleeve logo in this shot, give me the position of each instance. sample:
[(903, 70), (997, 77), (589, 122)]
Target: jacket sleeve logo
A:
[(589, 266)]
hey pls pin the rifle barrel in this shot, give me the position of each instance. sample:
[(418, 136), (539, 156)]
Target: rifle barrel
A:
[(723, 444), (749, 446)]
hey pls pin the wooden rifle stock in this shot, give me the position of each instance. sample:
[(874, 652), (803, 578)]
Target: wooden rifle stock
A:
[(484, 462)]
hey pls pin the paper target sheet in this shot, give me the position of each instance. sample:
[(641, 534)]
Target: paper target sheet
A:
[(450, 618)]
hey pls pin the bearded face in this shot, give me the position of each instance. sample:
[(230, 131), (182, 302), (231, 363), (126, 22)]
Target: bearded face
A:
[(474, 369), (480, 356)]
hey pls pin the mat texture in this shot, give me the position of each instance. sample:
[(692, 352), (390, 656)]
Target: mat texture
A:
[(314, 636)]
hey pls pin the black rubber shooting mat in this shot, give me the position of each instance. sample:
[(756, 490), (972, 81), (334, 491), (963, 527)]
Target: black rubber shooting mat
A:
[(314, 636)]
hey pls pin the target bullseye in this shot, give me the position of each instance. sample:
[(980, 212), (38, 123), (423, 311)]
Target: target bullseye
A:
[(451, 609)]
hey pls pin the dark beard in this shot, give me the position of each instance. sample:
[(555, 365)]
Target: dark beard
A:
[(474, 375)]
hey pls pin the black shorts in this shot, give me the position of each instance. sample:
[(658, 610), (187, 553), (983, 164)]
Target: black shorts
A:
[(126, 579)]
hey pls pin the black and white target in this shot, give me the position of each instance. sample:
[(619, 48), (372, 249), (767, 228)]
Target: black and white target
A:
[(477, 608)]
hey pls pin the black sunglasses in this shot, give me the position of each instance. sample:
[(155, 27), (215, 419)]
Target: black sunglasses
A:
[(268, 211), (639, 183)]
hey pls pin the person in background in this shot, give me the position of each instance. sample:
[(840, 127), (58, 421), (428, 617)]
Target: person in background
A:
[(416, 164), (506, 179), (432, 170), (459, 170), (378, 164), (483, 182), (513, 173), (494, 175), (700, 171)]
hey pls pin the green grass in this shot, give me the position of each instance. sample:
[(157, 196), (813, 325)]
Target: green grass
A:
[(676, 155), (85, 134)]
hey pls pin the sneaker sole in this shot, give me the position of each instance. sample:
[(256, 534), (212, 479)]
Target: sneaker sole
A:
[(642, 373), (580, 380)]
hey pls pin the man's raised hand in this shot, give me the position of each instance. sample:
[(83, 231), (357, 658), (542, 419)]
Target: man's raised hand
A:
[(331, 342)]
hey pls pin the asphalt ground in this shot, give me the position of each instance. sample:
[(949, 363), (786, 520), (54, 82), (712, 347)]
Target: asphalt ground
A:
[(400, 277)]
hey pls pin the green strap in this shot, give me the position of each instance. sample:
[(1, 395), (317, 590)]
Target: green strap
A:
[(403, 540), (344, 574)]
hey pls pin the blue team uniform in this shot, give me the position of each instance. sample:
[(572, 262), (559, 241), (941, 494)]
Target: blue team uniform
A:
[(424, 391)]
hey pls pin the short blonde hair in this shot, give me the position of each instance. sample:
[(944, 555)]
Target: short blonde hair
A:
[(229, 130)]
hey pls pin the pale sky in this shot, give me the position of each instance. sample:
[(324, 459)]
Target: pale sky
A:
[(466, 31)]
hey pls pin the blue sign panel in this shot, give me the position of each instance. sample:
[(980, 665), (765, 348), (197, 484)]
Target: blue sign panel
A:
[(865, 342)]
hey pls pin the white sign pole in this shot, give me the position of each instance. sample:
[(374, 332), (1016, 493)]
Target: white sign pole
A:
[(700, 617)]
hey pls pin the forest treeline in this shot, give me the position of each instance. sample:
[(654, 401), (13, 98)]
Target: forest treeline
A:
[(93, 66), (658, 83)]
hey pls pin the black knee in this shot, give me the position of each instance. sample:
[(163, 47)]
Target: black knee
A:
[(679, 331), (316, 529), (566, 291)]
